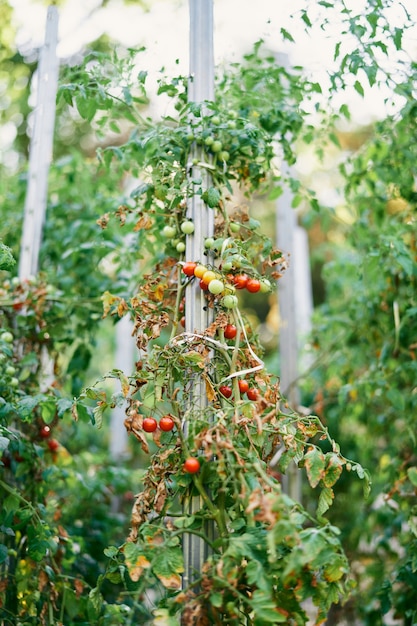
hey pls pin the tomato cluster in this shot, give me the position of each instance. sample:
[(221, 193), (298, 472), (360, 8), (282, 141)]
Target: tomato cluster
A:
[(166, 424), (218, 284)]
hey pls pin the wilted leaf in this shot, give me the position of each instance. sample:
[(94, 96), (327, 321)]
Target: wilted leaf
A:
[(315, 465), (210, 391), (167, 566), (136, 561), (334, 467)]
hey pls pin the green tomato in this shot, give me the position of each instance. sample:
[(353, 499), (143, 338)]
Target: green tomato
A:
[(209, 243), (217, 146), (234, 227), (187, 227), (227, 265), (209, 140), (10, 370), (7, 337), (229, 301), (13, 382), (216, 286), (231, 124), (224, 155), (215, 119), (266, 286), (180, 247), (169, 232), (237, 260)]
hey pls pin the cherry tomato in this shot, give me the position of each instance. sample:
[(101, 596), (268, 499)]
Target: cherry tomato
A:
[(189, 267), (149, 424), (208, 276), (252, 393), (240, 281), (253, 285), (204, 286), (191, 465), (45, 432), (230, 331), (243, 386), (53, 445), (225, 390), (200, 270), (166, 423), (182, 321)]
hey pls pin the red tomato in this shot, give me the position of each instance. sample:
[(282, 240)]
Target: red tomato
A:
[(191, 465), (188, 268), (240, 281), (166, 423), (45, 432), (252, 393), (230, 331), (149, 424), (53, 445), (253, 285), (182, 321), (243, 386), (203, 285), (225, 390)]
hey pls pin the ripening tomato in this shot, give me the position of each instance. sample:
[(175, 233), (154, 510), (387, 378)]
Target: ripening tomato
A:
[(166, 423), (149, 424), (191, 465), (189, 267), (53, 445), (182, 321), (208, 276), (230, 331), (252, 393), (243, 386), (240, 281), (225, 390), (253, 285), (45, 432), (200, 270), (204, 286)]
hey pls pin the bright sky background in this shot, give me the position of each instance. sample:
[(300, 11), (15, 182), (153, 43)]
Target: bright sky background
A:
[(164, 30)]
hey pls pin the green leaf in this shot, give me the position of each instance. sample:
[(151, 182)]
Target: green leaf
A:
[(358, 87), (212, 197), (3, 553), (7, 260), (325, 501), (315, 464), (86, 106), (4, 443), (398, 37), (287, 35), (95, 604), (48, 410), (11, 504), (265, 609), (412, 475)]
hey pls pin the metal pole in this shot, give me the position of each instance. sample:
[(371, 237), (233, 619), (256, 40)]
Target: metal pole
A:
[(201, 88), (40, 149)]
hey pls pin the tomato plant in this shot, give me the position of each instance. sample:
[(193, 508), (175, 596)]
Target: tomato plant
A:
[(223, 452)]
